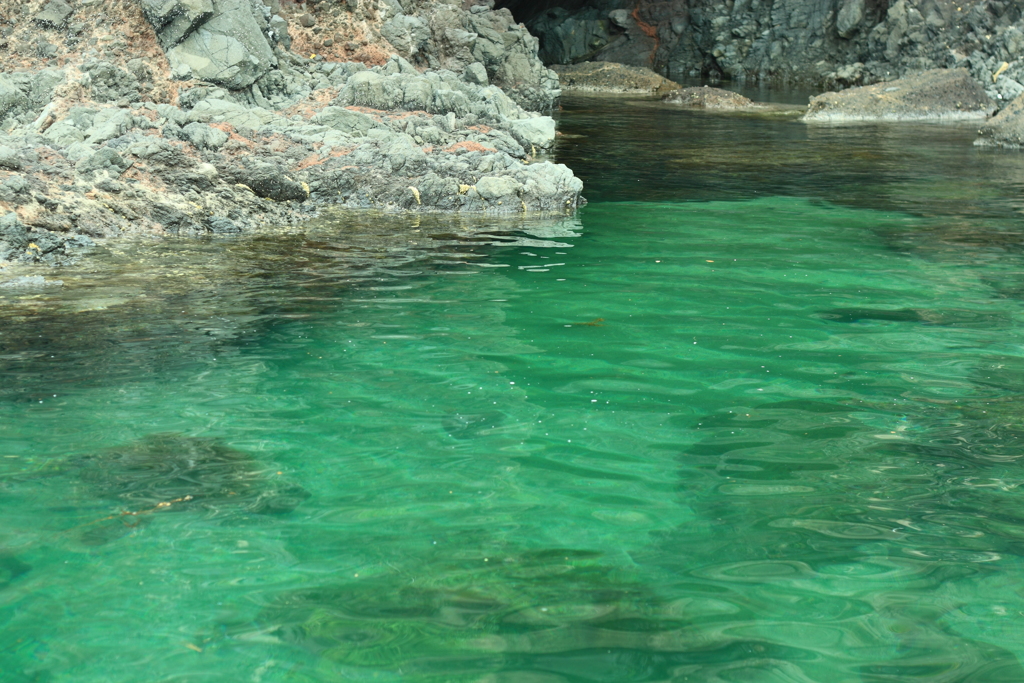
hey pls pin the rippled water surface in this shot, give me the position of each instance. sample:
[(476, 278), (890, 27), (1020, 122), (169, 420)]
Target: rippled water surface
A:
[(754, 415)]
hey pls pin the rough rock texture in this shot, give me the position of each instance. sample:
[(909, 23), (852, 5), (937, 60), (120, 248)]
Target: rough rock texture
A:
[(194, 117), (835, 43), (611, 77), (708, 98), (444, 35), (1005, 129), (934, 94)]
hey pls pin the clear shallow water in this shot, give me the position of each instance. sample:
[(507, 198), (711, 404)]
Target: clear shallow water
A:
[(757, 437)]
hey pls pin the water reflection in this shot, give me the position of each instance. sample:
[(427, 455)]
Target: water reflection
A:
[(153, 307)]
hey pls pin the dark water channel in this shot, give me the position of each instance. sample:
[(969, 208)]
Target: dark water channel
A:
[(753, 415)]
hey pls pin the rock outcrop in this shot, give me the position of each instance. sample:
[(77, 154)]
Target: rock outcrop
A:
[(1005, 129), (834, 43), (948, 94), (611, 77), (194, 116), (708, 98)]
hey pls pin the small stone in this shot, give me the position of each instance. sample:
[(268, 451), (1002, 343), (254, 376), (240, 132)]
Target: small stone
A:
[(307, 20), (329, 43)]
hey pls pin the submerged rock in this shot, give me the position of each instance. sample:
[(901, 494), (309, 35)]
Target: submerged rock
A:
[(175, 472), (948, 94), (611, 77), (10, 569)]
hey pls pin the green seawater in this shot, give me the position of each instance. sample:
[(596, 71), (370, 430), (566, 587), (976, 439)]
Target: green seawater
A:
[(753, 415)]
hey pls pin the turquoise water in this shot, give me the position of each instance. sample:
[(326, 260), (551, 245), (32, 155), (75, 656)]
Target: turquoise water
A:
[(757, 420)]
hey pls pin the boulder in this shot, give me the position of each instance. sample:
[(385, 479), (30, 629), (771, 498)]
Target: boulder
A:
[(12, 98), (538, 131), (269, 181), (1005, 129), (408, 34), (9, 159), (13, 236), (229, 49), (849, 17), (203, 136), (493, 188), (104, 159), (611, 77), (346, 120), (174, 20), (936, 94), (54, 15)]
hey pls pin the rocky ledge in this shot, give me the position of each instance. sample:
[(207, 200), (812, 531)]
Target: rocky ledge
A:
[(709, 98), (1005, 129), (191, 117), (943, 94), (611, 77)]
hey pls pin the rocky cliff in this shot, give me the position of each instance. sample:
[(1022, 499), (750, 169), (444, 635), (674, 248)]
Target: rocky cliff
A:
[(213, 116), (829, 43)]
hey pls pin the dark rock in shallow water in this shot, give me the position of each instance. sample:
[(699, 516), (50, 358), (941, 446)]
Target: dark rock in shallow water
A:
[(10, 569), (176, 472), (949, 318)]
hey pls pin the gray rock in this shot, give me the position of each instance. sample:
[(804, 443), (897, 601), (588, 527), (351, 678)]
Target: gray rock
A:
[(1005, 129), (279, 30), (64, 133), (203, 136), (12, 97), (611, 77), (229, 49), (104, 159), (109, 83), (9, 158), (222, 226), (55, 14), (538, 131), (476, 73), (408, 34), (109, 124), (347, 121), (851, 14), (16, 189), (270, 181), (173, 220), (493, 188), (174, 20)]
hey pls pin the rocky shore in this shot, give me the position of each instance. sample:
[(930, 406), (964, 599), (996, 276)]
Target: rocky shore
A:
[(829, 44), (193, 117)]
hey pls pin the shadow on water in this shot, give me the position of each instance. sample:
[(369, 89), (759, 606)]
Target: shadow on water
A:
[(146, 308)]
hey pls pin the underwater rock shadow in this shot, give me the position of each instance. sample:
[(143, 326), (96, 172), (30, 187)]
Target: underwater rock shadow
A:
[(174, 472)]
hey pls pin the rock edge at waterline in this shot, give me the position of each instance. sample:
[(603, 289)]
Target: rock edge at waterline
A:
[(937, 94), (140, 117)]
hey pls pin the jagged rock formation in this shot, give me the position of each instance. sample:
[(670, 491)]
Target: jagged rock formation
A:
[(835, 43), (194, 116)]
